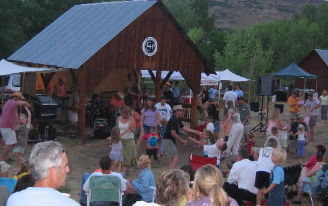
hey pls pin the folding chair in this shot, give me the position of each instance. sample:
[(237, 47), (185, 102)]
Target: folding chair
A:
[(196, 161), (105, 188), (154, 188)]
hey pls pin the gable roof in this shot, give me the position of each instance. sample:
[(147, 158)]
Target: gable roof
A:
[(323, 54), (294, 71), (79, 33)]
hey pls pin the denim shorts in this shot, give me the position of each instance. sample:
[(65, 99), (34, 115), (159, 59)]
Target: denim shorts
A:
[(146, 128), (216, 126)]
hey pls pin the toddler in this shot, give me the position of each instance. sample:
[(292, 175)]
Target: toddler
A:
[(250, 144), (282, 134), (210, 125), (152, 143), (22, 129), (274, 135), (116, 154), (301, 140), (276, 189), (162, 129)]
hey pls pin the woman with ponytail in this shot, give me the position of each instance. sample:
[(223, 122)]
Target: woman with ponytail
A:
[(208, 189)]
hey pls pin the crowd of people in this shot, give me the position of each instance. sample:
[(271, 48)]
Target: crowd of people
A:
[(255, 171)]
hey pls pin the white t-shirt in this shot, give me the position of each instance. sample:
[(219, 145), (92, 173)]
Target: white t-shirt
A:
[(40, 196), (243, 173), (282, 134), (230, 96), (210, 127), (164, 111), (213, 151), (123, 181), (264, 163)]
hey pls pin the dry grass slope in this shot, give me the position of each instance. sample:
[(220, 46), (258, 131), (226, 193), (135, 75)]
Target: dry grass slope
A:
[(242, 13)]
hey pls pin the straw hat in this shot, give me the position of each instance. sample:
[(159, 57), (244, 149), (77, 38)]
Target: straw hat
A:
[(167, 84), (178, 107), (143, 159), (62, 78), (17, 94), (4, 167)]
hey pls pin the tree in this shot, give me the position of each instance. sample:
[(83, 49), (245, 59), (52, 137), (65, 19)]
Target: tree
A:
[(244, 55)]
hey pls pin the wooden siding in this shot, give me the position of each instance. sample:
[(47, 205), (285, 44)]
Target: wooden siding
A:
[(124, 52), (314, 65)]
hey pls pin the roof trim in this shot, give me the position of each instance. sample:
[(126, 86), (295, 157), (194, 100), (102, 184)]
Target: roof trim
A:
[(323, 55)]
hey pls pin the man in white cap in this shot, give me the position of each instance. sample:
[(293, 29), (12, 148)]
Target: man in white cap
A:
[(9, 120), (4, 177), (172, 133)]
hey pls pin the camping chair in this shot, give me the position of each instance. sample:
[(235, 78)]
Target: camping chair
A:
[(196, 161), (105, 188), (154, 188)]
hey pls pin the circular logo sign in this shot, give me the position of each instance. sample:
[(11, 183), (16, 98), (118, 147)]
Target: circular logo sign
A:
[(149, 46)]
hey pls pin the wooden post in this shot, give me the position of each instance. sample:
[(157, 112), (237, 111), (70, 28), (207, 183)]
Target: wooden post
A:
[(158, 83), (194, 102), (83, 95)]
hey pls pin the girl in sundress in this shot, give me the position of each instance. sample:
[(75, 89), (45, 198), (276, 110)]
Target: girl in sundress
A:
[(115, 153)]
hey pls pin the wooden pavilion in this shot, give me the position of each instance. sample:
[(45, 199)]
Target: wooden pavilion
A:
[(95, 41), (316, 62)]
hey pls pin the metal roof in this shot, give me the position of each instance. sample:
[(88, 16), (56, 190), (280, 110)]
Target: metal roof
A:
[(323, 54), (79, 33)]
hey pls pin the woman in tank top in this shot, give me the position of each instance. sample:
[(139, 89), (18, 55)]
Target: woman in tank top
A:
[(127, 127)]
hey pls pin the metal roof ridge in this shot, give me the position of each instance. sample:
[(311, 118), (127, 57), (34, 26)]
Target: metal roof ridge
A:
[(112, 2)]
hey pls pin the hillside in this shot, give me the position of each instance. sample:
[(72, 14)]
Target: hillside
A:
[(243, 13)]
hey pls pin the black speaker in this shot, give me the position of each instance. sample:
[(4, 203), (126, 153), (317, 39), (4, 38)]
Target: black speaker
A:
[(280, 107), (255, 106), (265, 85)]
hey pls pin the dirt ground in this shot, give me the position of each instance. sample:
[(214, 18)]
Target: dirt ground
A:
[(84, 158)]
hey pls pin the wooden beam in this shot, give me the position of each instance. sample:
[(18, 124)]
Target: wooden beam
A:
[(152, 75), (83, 95), (158, 83), (166, 78)]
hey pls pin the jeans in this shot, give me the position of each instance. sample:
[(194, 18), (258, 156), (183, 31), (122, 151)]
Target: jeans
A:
[(300, 147)]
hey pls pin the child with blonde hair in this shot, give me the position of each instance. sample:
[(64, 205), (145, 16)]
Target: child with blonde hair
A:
[(276, 188), (208, 188), (22, 129), (283, 133), (301, 140), (115, 154)]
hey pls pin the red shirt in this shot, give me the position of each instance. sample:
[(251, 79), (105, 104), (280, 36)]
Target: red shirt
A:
[(9, 114), (152, 139)]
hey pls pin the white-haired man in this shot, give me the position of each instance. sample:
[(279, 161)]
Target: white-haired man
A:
[(49, 167)]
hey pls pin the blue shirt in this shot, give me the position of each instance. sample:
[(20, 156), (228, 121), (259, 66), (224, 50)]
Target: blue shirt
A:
[(143, 183), (212, 93), (9, 183), (239, 93), (278, 175)]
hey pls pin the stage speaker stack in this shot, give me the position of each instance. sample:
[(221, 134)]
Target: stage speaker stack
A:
[(265, 85), (255, 106), (280, 107)]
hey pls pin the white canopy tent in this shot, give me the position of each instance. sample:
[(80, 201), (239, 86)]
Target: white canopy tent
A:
[(219, 76), (212, 79), (7, 68)]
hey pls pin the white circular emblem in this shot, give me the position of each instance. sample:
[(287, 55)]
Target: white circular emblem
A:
[(149, 46)]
